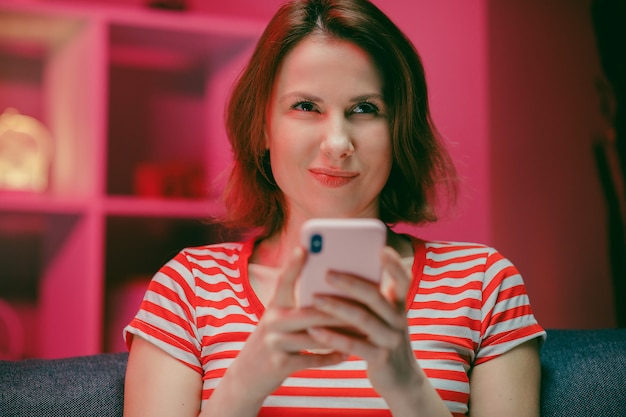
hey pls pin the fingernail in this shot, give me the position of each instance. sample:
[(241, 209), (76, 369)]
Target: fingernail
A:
[(320, 302), (332, 277), (313, 330)]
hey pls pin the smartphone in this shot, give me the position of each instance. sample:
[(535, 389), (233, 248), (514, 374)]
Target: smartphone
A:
[(343, 245)]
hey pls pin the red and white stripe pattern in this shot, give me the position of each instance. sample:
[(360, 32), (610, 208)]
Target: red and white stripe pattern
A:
[(467, 305)]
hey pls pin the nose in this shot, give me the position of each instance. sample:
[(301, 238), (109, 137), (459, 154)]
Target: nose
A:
[(337, 142)]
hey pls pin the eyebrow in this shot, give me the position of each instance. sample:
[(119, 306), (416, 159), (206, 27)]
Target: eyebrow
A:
[(309, 97), (303, 96)]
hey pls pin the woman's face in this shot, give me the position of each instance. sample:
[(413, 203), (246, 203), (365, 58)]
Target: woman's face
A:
[(327, 131)]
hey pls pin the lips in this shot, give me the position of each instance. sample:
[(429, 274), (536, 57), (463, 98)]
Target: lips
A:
[(333, 178)]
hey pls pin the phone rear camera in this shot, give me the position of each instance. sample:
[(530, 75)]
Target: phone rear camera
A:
[(316, 243)]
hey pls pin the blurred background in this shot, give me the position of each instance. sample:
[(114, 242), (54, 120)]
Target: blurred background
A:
[(112, 149)]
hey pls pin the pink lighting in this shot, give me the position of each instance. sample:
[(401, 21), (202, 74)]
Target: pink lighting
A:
[(121, 124)]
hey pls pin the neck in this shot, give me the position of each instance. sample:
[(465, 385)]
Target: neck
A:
[(276, 249)]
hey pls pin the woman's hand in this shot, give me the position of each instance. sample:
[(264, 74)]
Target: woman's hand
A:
[(274, 350), (379, 315)]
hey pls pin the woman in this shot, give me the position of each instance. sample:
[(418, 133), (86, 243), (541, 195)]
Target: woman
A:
[(330, 119)]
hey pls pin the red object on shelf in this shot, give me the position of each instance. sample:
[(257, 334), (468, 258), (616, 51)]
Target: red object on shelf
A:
[(171, 179)]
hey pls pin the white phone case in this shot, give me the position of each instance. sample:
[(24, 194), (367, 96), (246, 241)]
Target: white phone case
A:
[(345, 245)]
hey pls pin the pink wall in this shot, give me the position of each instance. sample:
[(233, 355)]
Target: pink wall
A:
[(547, 206), (450, 36)]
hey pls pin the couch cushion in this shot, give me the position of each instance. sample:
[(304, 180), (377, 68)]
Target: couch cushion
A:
[(584, 373), (80, 386)]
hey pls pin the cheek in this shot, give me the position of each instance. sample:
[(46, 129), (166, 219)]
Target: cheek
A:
[(380, 157), (285, 152), (377, 144), (290, 140)]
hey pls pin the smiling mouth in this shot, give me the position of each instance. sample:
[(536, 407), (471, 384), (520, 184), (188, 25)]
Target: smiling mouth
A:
[(333, 179)]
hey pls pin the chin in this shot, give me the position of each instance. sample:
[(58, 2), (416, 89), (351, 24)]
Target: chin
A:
[(338, 213)]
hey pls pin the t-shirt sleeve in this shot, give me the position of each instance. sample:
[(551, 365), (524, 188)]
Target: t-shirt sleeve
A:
[(507, 317), (167, 315)]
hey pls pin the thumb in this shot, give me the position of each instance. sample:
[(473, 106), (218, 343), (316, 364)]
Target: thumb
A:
[(395, 280), (284, 293)]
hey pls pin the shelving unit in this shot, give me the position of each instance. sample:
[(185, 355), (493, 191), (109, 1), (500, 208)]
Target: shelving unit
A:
[(134, 99)]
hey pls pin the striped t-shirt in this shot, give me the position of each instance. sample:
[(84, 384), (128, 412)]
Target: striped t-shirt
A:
[(467, 304)]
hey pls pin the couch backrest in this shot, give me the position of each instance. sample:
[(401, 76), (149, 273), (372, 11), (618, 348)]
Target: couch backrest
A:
[(82, 386), (583, 375)]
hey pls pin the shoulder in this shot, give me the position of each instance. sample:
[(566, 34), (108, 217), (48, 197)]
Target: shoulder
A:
[(442, 246), (211, 259), (228, 251), (466, 259), (222, 253), (455, 252)]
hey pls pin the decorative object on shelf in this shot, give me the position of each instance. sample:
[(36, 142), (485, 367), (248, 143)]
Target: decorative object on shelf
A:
[(25, 152), (172, 179), (177, 5)]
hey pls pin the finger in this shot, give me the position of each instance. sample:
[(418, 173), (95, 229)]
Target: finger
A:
[(284, 294), (396, 280), (298, 359), (304, 360), (379, 330), (294, 342), (288, 320), (361, 347), (366, 294)]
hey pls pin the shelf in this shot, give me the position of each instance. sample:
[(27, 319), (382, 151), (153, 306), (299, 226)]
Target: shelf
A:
[(134, 101), (21, 257), (156, 207), (14, 201), (50, 64), (43, 263), (161, 96), (174, 47), (155, 120), (34, 34)]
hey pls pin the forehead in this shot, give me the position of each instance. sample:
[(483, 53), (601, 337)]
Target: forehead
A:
[(321, 60)]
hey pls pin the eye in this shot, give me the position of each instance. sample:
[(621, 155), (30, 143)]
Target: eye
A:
[(305, 106), (366, 108)]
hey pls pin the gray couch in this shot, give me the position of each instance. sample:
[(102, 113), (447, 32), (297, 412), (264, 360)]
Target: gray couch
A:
[(584, 375)]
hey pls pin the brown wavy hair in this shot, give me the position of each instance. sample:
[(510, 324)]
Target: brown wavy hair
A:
[(421, 164)]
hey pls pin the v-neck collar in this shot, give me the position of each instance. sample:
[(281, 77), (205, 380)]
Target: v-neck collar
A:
[(417, 269)]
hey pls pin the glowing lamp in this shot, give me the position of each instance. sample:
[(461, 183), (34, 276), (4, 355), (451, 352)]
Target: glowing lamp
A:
[(25, 152)]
